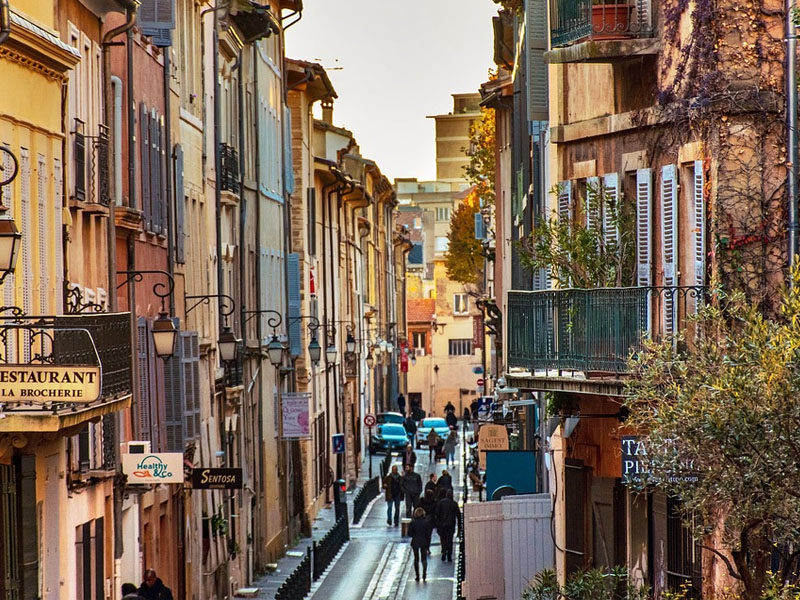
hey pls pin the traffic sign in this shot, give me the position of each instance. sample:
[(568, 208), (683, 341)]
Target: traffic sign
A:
[(338, 443), (480, 382), (369, 420)]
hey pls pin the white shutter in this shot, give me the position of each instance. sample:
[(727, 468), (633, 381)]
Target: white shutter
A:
[(610, 204), (8, 284), (592, 202), (58, 207), (644, 227), (699, 225), (41, 214), (669, 243), (565, 201), (27, 250)]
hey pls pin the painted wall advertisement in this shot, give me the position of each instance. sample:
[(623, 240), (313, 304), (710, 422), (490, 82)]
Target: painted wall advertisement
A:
[(295, 410), (164, 467)]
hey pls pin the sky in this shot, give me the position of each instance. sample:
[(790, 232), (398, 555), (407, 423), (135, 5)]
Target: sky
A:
[(394, 62)]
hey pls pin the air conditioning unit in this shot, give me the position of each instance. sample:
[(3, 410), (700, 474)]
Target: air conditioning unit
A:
[(142, 447)]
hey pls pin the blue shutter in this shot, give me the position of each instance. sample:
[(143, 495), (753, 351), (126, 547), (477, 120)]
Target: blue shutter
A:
[(479, 232), (174, 395), (144, 147), (157, 20), (180, 206), (288, 165), (293, 268), (155, 190)]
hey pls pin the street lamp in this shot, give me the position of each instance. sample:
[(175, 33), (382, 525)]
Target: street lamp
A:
[(314, 350), (275, 351), (413, 359), (370, 361), (227, 344), (164, 334), (350, 343), (330, 354), (9, 246)]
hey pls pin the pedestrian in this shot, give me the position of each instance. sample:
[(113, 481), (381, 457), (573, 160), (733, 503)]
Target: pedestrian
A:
[(474, 407), (447, 514), (130, 592), (444, 484), (420, 532), (401, 404), (409, 457), (428, 503), (450, 448), (153, 588), (411, 485), (466, 414), (432, 438), (451, 419), (393, 495), (431, 484), (449, 407), (411, 428)]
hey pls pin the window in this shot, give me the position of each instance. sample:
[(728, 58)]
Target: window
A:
[(415, 256), (442, 244), (460, 304), (420, 342), (442, 213), (460, 347)]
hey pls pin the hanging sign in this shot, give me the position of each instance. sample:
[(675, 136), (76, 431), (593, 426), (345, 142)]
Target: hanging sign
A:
[(491, 437), (216, 479), (48, 383), (295, 411), (164, 467), (477, 331)]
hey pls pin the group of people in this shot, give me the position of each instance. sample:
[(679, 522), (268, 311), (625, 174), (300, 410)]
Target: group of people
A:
[(432, 508), (152, 588)]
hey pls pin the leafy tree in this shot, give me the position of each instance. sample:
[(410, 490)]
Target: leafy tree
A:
[(480, 171), (464, 256), (581, 256), (720, 422)]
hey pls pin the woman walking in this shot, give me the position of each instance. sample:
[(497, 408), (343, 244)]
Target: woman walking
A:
[(420, 531), (450, 448)]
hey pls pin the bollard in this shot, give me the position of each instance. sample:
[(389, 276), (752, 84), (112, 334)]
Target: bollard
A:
[(340, 499)]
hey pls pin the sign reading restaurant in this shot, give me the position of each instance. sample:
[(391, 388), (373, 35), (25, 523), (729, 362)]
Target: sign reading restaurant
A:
[(49, 383)]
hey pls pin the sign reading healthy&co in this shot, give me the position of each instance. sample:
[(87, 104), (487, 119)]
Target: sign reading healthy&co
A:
[(164, 467)]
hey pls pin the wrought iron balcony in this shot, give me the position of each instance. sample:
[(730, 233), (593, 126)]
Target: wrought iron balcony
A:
[(579, 20), (229, 175), (91, 172), (595, 330)]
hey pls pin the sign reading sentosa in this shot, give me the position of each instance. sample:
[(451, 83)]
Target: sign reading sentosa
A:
[(164, 467), (49, 383)]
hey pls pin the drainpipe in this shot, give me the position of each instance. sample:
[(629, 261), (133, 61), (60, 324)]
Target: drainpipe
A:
[(242, 201), (178, 193), (5, 21), (791, 118), (217, 166)]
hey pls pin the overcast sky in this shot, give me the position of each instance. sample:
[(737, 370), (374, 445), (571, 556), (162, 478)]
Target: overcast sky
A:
[(393, 62)]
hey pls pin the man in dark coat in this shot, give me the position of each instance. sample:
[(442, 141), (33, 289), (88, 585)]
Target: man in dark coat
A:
[(153, 588), (420, 532), (451, 419), (447, 515), (401, 404), (431, 484), (412, 488), (130, 592), (411, 428), (444, 484), (394, 494), (409, 457)]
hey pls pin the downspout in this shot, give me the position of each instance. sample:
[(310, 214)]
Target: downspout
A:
[(791, 118), (217, 168), (178, 193), (326, 193), (242, 202), (5, 22)]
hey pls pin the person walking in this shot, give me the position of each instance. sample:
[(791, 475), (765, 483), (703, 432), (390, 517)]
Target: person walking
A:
[(130, 592), (451, 419), (444, 484), (153, 588), (401, 404), (432, 439), (412, 488), (431, 484), (393, 495), (449, 407), (409, 457), (420, 532), (450, 448), (447, 515), (411, 428)]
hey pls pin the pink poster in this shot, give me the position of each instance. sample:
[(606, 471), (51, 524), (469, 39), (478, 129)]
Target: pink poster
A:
[(295, 415)]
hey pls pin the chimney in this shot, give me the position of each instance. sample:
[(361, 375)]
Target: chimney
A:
[(327, 111)]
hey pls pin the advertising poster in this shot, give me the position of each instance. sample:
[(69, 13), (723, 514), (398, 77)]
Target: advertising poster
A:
[(296, 415)]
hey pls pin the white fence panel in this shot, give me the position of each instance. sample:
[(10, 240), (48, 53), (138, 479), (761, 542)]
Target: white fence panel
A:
[(483, 545)]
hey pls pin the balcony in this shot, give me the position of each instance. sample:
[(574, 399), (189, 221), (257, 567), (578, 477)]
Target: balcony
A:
[(601, 31), (65, 340), (229, 174), (594, 331)]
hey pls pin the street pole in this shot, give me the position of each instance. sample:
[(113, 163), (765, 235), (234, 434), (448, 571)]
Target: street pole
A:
[(369, 445)]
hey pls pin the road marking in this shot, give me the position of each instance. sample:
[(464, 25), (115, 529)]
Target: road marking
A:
[(390, 573)]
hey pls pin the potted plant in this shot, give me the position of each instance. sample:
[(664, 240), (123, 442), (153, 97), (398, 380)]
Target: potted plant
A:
[(610, 19)]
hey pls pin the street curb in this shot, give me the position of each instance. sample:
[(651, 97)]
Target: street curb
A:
[(360, 524), (316, 584)]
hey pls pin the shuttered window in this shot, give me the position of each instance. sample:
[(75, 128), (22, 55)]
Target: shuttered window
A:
[(174, 397), (44, 232), (143, 374), (8, 283), (311, 195), (565, 201), (180, 205), (644, 227), (155, 172), (295, 307), (699, 225), (669, 244), (190, 358), (575, 495), (58, 204), (593, 194), (144, 147), (610, 208), (27, 244), (537, 69)]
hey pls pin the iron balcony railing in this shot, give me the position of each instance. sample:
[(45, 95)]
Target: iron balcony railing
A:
[(229, 175), (577, 20), (592, 330), (90, 156)]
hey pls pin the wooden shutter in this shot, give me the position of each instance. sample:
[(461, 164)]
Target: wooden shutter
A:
[(143, 375), (43, 232), (8, 284), (536, 34), (144, 148), (58, 206), (644, 227), (669, 244), (174, 396), (29, 527), (565, 201), (312, 220), (610, 208), (155, 187), (592, 202), (293, 295), (180, 206), (191, 383), (27, 244), (699, 225)]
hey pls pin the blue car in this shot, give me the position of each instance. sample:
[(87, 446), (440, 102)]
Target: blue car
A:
[(437, 424), (391, 437)]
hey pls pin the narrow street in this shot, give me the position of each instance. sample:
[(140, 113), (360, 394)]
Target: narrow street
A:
[(378, 562)]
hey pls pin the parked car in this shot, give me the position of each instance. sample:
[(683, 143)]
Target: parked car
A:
[(391, 437), (424, 428), (390, 417)]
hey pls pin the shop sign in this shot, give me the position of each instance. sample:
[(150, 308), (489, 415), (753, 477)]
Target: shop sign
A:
[(48, 383), (216, 479), (491, 437), (634, 463), (477, 331), (337, 440), (295, 411), (164, 467)]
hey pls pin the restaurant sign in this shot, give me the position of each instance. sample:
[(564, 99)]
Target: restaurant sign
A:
[(164, 467), (49, 383), (216, 479), (634, 464)]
